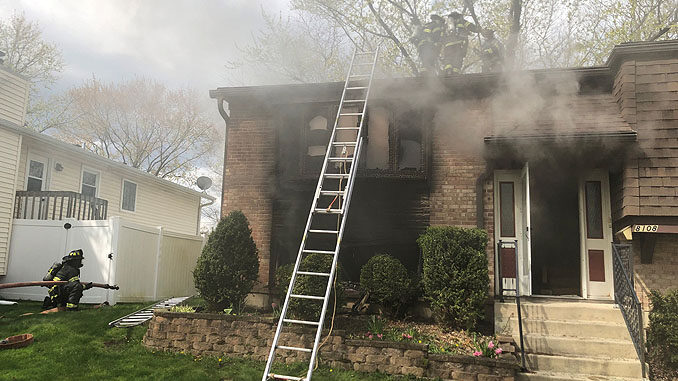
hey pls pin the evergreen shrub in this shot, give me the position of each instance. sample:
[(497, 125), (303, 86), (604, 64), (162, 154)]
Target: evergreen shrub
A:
[(455, 277), (307, 285), (662, 336), (227, 269), (388, 283)]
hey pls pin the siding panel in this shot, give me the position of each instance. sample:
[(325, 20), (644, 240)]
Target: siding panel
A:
[(13, 98), (8, 173)]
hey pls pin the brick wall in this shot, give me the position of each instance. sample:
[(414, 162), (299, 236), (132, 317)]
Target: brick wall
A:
[(249, 180), (243, 336), (453, 197), (661, 273)]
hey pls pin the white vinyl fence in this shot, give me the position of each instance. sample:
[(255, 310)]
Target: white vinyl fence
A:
[(148, 263)]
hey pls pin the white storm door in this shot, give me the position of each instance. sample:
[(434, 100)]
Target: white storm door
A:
[(596, 235), (525, 258), (510, 198)]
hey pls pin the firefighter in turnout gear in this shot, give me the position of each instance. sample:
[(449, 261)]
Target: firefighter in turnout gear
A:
[(455, 44), (69, 294), (427, 39), (491, 52)]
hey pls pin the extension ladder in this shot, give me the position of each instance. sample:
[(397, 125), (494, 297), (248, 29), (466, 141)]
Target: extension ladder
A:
[(327, 218), (145, 314)]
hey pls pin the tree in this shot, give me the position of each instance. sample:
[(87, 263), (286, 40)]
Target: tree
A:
[(227, 268), (301, 47), (29, 55), (538, 33), (143, 124)]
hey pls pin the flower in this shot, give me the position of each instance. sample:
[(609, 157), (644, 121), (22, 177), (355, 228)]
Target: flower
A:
[(498, 351), (490, 345), (219, 360), (419, 341), (274, 305), (477, 353), (370, 336), (379, 335), (331, 370)]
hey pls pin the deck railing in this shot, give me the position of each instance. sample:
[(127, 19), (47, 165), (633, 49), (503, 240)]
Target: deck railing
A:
[(47, 205), (626, 298)]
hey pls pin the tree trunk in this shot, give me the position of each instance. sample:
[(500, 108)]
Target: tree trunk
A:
[(512, 43)]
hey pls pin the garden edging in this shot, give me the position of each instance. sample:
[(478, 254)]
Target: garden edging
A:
[(251, 336)]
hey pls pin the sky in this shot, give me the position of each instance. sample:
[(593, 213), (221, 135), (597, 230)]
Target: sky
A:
[(182, 43)]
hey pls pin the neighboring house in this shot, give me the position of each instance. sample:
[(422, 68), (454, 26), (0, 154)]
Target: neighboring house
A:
[(554, 164), (44, 179)]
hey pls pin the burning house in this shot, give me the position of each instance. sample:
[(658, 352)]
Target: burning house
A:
[(559, 163)]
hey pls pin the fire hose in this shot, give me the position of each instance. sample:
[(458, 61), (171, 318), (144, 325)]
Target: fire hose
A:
[(54, 283)]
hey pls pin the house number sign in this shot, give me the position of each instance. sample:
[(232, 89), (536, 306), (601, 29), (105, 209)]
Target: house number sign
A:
[(645, 228)]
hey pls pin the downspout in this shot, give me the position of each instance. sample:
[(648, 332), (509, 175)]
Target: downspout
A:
[(208, 203), (227, 119), (480, 199)]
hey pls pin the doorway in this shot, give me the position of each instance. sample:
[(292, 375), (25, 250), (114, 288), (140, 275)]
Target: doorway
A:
[(554, 209)]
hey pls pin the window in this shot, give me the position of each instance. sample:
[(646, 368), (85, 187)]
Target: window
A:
[(129, 196), (594, 213), (507, 217), (36, 175), (90, 183)]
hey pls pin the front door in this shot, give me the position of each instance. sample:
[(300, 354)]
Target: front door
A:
[(596, 235)]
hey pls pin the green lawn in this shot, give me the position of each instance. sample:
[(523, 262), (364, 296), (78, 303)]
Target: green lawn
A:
[(79, 345)]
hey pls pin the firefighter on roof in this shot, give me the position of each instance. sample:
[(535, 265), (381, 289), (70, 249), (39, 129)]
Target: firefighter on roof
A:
[(427, 39), (69, 294), (455, 44), (491, 52)]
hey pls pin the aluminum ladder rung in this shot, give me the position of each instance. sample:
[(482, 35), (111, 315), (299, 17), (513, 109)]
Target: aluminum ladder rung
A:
[(307, 251), (312, 273), (337, 175), (282, 377), (331, 193), (347, 144), (351, 105), (295, 348), (328, 211), (145, 314), (310, 297), (305, 322)]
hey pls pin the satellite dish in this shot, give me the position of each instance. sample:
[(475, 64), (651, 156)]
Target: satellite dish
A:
[(204, 183)]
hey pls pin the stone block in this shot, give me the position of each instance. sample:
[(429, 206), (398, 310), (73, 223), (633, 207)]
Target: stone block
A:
[(181, 344), (376, 359), (355, 358), (509, 378), (176, 336), (412, 370), (195, 337), (413, 354), (463, 376), (361, 367), (160, 319), (389, 369), (401, 361), (202, 346), (367, 350), (439, 373)]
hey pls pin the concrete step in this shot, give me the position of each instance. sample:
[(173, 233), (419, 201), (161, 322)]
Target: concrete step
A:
[(567, 311), (584, 366), (583, 347), (565, 328), (543, 376)]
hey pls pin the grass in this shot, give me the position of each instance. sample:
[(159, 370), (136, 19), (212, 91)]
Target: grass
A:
[(80, 346)]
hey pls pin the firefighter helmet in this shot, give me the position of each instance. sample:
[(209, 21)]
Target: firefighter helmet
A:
[(74, 255)]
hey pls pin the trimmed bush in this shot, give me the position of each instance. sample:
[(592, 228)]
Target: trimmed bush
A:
[(455, 278), (387, 281), (228, 266), (662, 336), (307, 285)]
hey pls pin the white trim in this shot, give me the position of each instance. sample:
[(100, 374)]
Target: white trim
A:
[(3, 270), (122, 195), (91, 170)]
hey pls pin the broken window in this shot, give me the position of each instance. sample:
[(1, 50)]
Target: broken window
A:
[(409, 155), (378, 152), (317, 129)]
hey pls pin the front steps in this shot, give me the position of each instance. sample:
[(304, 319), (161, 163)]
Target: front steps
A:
[(571, 340)]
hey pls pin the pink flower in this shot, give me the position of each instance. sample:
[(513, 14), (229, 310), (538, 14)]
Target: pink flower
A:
[(379, 335), (369, 337), (274, 305), (498, 351), (490, 345), (477, 353)]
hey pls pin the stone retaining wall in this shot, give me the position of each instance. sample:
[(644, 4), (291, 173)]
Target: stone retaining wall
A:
[(245, 336)]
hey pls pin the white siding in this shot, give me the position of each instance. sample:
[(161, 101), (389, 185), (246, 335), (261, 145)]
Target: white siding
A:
[(13, 97), (9, 150), (156, 204)]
